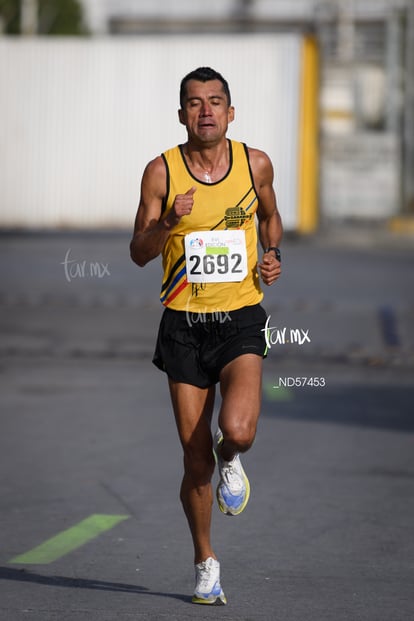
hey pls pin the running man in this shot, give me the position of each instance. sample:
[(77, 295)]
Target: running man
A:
[(198, 208)]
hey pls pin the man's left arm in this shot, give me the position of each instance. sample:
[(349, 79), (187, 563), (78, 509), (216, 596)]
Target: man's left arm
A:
[(270, 223)]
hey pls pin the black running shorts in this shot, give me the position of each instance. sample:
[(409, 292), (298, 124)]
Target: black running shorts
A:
[(194, 347)]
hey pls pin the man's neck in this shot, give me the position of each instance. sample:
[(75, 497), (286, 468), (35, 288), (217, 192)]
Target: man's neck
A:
[(208, 163)]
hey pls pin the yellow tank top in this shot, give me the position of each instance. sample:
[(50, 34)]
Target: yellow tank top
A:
[(228, 204)]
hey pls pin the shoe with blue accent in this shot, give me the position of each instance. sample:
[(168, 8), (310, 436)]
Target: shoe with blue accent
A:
[(208, 589), (233, 490)]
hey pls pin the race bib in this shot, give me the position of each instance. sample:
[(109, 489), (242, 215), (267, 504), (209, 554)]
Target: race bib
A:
[(216, 256)]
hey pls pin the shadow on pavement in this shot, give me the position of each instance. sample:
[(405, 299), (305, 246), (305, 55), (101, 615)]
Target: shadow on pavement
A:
[(382, 407), (22, 575)]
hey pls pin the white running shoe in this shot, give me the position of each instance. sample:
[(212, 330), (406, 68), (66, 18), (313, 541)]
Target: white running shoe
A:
[(208, 589), (233, 490)]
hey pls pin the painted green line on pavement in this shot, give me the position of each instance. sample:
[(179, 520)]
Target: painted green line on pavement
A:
[(69, 540), (273, 392)]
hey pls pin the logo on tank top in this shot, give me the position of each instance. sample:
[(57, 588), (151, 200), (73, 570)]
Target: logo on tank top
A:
[(235, 217)]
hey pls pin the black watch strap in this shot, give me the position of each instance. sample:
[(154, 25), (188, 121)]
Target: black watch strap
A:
[(276, 251)]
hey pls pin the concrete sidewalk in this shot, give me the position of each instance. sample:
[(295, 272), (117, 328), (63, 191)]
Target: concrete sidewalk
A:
[(79, 294)]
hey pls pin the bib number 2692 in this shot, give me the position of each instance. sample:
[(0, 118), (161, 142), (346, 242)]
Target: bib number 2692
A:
[(216, 256)]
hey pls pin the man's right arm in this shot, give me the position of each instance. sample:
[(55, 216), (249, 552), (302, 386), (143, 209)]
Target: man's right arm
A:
[(151, 231)]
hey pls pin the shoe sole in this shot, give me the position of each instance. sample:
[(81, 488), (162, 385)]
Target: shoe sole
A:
[(220, 600), (216, 444), (233, 513), (224, 510)]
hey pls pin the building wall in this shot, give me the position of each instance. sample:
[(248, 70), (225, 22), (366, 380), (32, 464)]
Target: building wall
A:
[(98, 12), (81, 118)]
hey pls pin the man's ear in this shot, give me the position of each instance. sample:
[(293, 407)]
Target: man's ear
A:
[(231, 114), (181, 116)]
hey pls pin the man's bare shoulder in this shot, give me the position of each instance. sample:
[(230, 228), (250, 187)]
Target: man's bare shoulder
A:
[(154, 179), (260, 164), (156, 167), (258, 157)]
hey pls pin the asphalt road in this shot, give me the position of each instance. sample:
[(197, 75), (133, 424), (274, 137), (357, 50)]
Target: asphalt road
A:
[(91, 525)]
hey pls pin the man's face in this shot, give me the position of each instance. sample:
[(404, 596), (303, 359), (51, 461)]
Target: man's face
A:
[(206, 112)]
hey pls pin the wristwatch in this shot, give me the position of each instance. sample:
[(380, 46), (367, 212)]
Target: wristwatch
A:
[(276, 251)]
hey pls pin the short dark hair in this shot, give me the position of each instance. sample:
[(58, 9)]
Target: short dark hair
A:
[(203, 74)]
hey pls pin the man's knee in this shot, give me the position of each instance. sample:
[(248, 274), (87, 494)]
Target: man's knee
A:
[(239, 435)]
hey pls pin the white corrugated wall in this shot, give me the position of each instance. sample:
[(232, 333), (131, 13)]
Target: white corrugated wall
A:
[(81, 118)]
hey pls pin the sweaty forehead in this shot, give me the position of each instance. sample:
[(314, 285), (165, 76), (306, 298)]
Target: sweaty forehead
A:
[(211, 88)]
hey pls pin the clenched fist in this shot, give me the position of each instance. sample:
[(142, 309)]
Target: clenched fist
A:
[(182, 206), (270, 268)]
